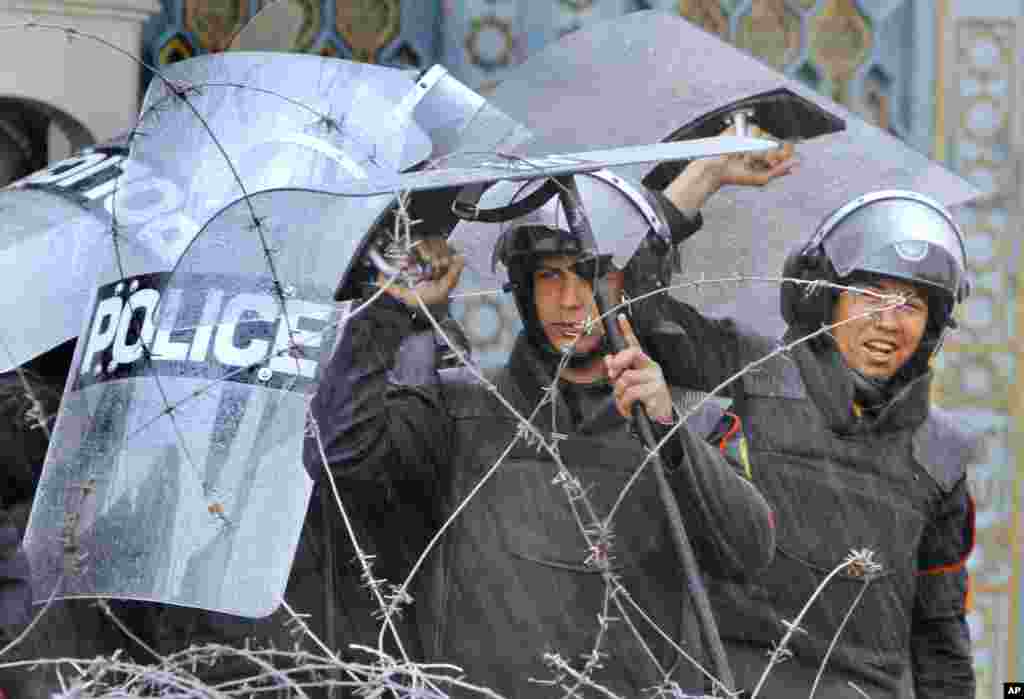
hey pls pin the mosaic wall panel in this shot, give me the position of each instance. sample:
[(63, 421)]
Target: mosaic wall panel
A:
[(378, 31), (482, 39), (854, 52), (980, 363)]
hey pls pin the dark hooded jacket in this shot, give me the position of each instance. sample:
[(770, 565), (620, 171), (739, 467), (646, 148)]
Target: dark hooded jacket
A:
[(892, 482), (514, 581)]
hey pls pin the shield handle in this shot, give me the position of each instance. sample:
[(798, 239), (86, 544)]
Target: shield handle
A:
[(578, 224)]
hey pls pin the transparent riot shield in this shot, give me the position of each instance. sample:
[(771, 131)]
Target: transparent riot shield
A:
[(255, 121), (212, 129), (50, 250), (175, 470), (217, 128), (663, 78)]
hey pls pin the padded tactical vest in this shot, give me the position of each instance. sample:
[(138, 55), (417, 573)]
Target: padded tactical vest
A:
[(834, 493)]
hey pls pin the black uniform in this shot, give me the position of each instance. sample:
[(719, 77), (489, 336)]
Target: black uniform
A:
[(891, 481), (511, 578)]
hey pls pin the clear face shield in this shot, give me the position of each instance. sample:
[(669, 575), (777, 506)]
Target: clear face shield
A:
[(620, 218), (619, 215), (898, 234)]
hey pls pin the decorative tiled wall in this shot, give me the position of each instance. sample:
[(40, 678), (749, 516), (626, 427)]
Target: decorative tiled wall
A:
[(980, 362), (378, 31)]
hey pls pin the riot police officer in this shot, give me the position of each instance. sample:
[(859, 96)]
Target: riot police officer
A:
[(841, 437)]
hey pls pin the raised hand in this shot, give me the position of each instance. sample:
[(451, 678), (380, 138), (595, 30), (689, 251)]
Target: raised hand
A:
[(637, 377), (444, 267), (691, 189), (754, 169)]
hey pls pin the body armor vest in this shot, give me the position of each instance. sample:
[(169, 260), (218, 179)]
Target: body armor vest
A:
[(834, 493)]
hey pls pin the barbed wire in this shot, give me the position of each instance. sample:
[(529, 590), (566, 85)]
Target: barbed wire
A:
[(384, 674)]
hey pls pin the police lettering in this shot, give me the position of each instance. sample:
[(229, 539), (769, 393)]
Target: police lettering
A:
[(246, 329)]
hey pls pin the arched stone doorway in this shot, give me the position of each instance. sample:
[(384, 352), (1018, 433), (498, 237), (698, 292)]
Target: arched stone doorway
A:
[(32, 134), (73, 79)]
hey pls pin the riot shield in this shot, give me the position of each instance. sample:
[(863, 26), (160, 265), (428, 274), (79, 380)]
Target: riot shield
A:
[(643, 78), (174, 474), (491, 168), (651, 76), (53, 244), (182, 422), (50, 247), (223, 126), (211, 130)]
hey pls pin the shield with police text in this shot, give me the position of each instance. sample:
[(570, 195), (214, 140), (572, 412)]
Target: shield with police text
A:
[(49, 245), (174, 473), (55, 246), (212, 130), (175, 470)]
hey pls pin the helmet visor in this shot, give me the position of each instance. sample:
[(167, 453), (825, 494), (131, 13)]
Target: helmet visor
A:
[(898, 237)]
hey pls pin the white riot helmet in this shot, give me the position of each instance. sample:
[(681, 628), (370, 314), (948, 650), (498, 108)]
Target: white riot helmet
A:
[(623, 218), (894, 233)]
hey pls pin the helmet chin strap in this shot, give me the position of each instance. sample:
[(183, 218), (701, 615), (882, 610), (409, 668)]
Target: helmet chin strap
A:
[(941, 341), (576, 359), (933, 341), (523, 293), (871, 391), (579, 360)]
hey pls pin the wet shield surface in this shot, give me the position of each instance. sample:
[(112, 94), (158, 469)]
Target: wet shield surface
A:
[(55, 247), (211, 131), (651, 76), (174, 473)]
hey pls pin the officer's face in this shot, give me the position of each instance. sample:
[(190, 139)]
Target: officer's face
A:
[(885, 332), (565, 301)]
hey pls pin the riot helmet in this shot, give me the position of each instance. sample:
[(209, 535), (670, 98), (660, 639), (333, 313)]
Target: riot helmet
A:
[(893, 233), (624, 221)]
